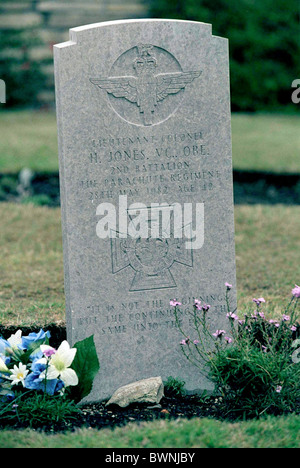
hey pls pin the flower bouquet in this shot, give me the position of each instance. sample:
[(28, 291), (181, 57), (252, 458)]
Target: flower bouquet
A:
[(31, 368)]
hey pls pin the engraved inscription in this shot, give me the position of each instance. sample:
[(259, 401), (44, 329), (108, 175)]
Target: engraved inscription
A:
[(147, 89), (145, 317)]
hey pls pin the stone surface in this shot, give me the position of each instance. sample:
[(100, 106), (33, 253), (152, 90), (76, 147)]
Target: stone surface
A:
[(143, 111), (144, 391)]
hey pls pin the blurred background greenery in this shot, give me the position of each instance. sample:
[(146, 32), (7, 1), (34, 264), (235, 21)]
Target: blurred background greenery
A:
[(264, 38), (264, 41)]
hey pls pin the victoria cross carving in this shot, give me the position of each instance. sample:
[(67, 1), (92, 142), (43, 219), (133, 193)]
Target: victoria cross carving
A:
[(148, 87), (151, 258)]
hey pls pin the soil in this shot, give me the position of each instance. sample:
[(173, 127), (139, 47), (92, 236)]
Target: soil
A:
[(99, 416)]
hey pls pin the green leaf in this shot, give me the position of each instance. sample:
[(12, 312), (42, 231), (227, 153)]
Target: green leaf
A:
[(86, 365)]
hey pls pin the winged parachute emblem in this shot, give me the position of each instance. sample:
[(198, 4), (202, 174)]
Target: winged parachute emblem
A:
[(147, 88)]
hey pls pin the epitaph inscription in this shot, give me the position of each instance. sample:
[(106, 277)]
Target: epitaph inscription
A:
[(143, 112)]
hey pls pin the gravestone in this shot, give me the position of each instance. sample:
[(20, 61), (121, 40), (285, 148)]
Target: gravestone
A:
[(143, 112)]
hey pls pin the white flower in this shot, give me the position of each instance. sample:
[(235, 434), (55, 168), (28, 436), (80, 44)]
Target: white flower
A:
[(3, 367), (59, 365), (18, 374), (15, 339)]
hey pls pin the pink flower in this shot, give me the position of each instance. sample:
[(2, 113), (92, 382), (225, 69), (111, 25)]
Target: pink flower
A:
[(174, 303), (205, 307), (219, 333), (293, 328), (296, 291), (185, 342), (232, 316), (286, 318), (273, 322), (258, 301), (278, 388), (47, 351), (261, 314), (229, 340), (228, 286), (196, 342)]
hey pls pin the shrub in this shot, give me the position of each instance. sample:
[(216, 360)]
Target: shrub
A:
[(263, 45), (23, 76), (254, 367)]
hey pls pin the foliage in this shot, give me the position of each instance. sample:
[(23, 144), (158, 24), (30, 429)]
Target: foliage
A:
[(254, 367), (23, 76), (174, 387), (263, 45), (86, 366), (36, 410)]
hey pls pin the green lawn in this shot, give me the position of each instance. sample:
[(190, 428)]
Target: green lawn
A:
[(280, 432), (266, 142), (29, 139), (260, 142), (31, 274)]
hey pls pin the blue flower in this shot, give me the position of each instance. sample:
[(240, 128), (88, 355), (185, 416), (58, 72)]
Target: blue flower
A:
[(32, 338), (38, 367), (36, 354), (34, 381), (3, 345), (8, 397)]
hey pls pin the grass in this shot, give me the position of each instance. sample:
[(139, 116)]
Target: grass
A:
[(265, 142), (260, 142), (267, 252), (270, 432), (31, 275), (29, 139)]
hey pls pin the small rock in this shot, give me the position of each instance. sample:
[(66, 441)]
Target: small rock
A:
[(144, 391)]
